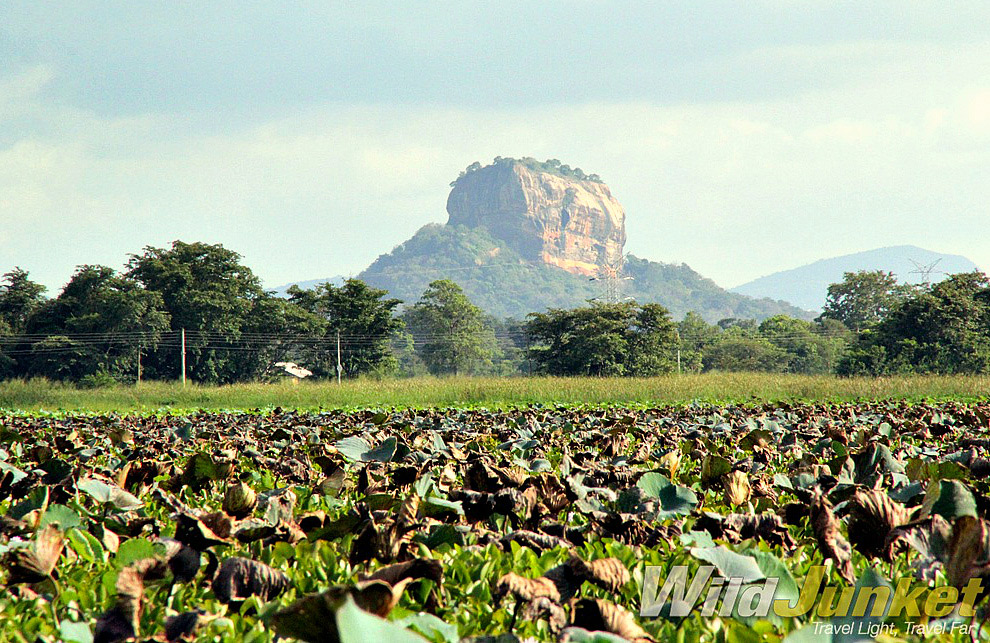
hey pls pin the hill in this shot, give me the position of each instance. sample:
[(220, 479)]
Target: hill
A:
[(524, 235), (807, 286), (281, 291), (501, 281)]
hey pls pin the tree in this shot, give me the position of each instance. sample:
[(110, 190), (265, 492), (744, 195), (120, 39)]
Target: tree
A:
[(277, 330), (745, 351), (19, 297), (112, 318), (942, 330), (811, 348), (450, 330), (365, 319), (864, 298), (603, 339), (7, 342), (205, 290), (695, 336)]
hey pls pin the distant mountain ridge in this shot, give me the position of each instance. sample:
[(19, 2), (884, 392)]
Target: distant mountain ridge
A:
[(282, 290), (807, 286)]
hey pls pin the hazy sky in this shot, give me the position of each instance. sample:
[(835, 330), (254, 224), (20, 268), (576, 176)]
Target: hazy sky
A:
[(741, 137)]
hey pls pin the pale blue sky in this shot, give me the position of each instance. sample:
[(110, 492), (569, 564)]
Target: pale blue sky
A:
[(742, 138)]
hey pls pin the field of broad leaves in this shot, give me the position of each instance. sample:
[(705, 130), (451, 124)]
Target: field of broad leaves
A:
[(446, 525)]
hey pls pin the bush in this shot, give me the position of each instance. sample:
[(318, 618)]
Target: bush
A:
[(99, 379)]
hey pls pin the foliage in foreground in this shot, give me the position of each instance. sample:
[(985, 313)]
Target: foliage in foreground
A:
[(533, 523)]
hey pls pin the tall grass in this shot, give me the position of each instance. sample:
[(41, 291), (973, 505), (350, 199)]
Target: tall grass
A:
[(43, 395)]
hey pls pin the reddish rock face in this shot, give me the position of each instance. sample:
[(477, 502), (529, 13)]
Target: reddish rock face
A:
[(574, 224)]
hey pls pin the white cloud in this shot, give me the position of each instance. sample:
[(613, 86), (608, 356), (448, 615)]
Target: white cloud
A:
[(736, 189)]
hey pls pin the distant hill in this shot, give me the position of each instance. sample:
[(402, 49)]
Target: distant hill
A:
[(807, 286), (309, 283), (499, 280)]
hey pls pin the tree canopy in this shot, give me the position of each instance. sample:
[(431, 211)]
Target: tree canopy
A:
[(451, 331), (864, 298), (603, 339), (115, 318), (365, 319), (945, 329)]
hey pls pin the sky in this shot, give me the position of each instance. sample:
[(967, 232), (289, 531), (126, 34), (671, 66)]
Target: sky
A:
[(742, 138)]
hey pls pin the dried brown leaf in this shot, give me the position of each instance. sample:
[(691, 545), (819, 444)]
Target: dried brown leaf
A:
[(737, 488), (36, 564), (872, 516), (238, 578), (967, 550), (597, 615), (526, 588), (831, 542)]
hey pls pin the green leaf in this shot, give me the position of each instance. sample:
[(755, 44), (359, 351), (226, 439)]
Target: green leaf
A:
[(134, 549), (200, 468), (808, 634), (105, 493), (653, 483), (697, 538), (674, 500), (37, 498), (358, 450), (581, 635), (75, 632), (357, 626), (85, 545), (951, 499), (714, 466), (729, 563), (432, 503), (868, 580), (430, 626), (62, 516), (17, 474)]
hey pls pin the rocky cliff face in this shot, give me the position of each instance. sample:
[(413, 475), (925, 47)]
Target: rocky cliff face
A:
[(565, 221)]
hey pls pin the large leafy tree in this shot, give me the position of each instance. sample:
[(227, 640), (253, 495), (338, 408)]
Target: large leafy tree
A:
[(450, 331), (365, 319), (100, 322), (811, 348), (945, 329), (275, 330), (695, 336), (8, 367), (603, 339), (19, 297), (864, 298), (208, 292), (745, 350)]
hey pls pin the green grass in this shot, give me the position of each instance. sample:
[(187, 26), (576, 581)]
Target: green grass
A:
[(41, 395)]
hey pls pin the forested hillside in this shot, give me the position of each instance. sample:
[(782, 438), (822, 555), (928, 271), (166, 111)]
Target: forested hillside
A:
[(502, 283)]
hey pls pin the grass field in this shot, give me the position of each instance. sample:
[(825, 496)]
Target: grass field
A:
[(41, 395)]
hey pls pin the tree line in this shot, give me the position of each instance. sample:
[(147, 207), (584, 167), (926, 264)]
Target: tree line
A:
[(107, 326)]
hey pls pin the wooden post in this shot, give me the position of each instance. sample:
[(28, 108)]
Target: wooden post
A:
[(183, 356), (340, 367)]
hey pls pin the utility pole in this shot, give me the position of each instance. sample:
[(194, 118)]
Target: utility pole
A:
[(139, 364), (340, 367), (183, 356)]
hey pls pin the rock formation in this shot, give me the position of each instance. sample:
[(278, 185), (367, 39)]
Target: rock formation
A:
[(546, 212)]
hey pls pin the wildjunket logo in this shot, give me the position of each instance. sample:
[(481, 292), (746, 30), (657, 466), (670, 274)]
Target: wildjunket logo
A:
[(725, 597)]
